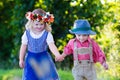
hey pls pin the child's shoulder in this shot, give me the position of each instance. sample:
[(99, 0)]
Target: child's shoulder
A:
[(71, 40), (27, 30), (93, 41)]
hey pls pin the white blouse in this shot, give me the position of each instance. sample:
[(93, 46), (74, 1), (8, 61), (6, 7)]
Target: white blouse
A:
[(48, 40)]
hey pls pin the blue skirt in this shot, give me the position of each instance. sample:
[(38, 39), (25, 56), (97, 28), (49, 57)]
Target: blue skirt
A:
[(39, 66)]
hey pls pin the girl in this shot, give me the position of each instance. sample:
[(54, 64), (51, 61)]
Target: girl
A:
[(38, 63), (86, 52)]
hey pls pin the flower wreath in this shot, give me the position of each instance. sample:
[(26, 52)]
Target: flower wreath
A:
[(47, 18)]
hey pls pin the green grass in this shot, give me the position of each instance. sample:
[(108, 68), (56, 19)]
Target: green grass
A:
[(10, 74), (65, 75), (16, 74)]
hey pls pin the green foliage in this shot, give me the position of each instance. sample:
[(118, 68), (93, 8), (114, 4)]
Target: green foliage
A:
[(12, 19), (5, 36), (17, 23), (110, 74), (109, 38)]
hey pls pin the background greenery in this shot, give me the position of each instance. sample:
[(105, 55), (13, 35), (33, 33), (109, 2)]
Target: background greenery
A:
[(104, 17)]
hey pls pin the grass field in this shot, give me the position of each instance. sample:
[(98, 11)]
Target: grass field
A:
[(15, 74)]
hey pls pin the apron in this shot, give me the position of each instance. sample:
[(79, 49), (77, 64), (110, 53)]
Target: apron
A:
[(39, 66), (83, 69)]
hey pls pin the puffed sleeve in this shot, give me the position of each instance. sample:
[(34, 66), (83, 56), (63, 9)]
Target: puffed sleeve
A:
[(50, 38), (68, 48), (24, 39), (98, 54)]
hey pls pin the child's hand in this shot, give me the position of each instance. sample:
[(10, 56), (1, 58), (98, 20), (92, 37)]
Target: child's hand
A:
[(59, 58), (21, 64), (105, 65)]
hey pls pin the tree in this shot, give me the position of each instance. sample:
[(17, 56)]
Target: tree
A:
[(12, 22)]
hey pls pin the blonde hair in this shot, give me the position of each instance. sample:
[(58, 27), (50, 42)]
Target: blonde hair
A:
[(30, 22)]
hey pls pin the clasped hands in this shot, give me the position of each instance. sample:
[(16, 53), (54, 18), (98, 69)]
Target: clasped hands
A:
[(59, 58)]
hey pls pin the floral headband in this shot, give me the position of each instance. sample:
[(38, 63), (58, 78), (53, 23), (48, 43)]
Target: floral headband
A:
[(47, 18)]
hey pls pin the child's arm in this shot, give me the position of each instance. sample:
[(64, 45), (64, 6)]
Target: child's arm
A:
[(100, 56), (22, 55), (64, 55), (55, 51)]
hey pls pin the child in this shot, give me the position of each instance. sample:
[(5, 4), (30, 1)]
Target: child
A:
[(38, 63), (86, 52)]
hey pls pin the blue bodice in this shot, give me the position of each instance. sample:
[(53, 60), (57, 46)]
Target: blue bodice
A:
[(37, 45)]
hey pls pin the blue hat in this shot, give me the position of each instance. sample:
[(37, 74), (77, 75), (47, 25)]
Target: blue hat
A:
[(82, 27)]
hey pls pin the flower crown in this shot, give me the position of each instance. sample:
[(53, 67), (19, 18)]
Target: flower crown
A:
[(47, 18)]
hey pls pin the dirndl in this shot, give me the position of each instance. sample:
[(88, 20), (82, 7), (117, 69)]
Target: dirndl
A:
[(39, 66)]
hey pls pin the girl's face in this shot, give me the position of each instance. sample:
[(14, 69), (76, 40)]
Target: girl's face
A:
[(82, 37), (38, 26)]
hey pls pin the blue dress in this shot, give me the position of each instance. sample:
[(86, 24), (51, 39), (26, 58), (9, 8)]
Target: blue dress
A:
[(38, 62)]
